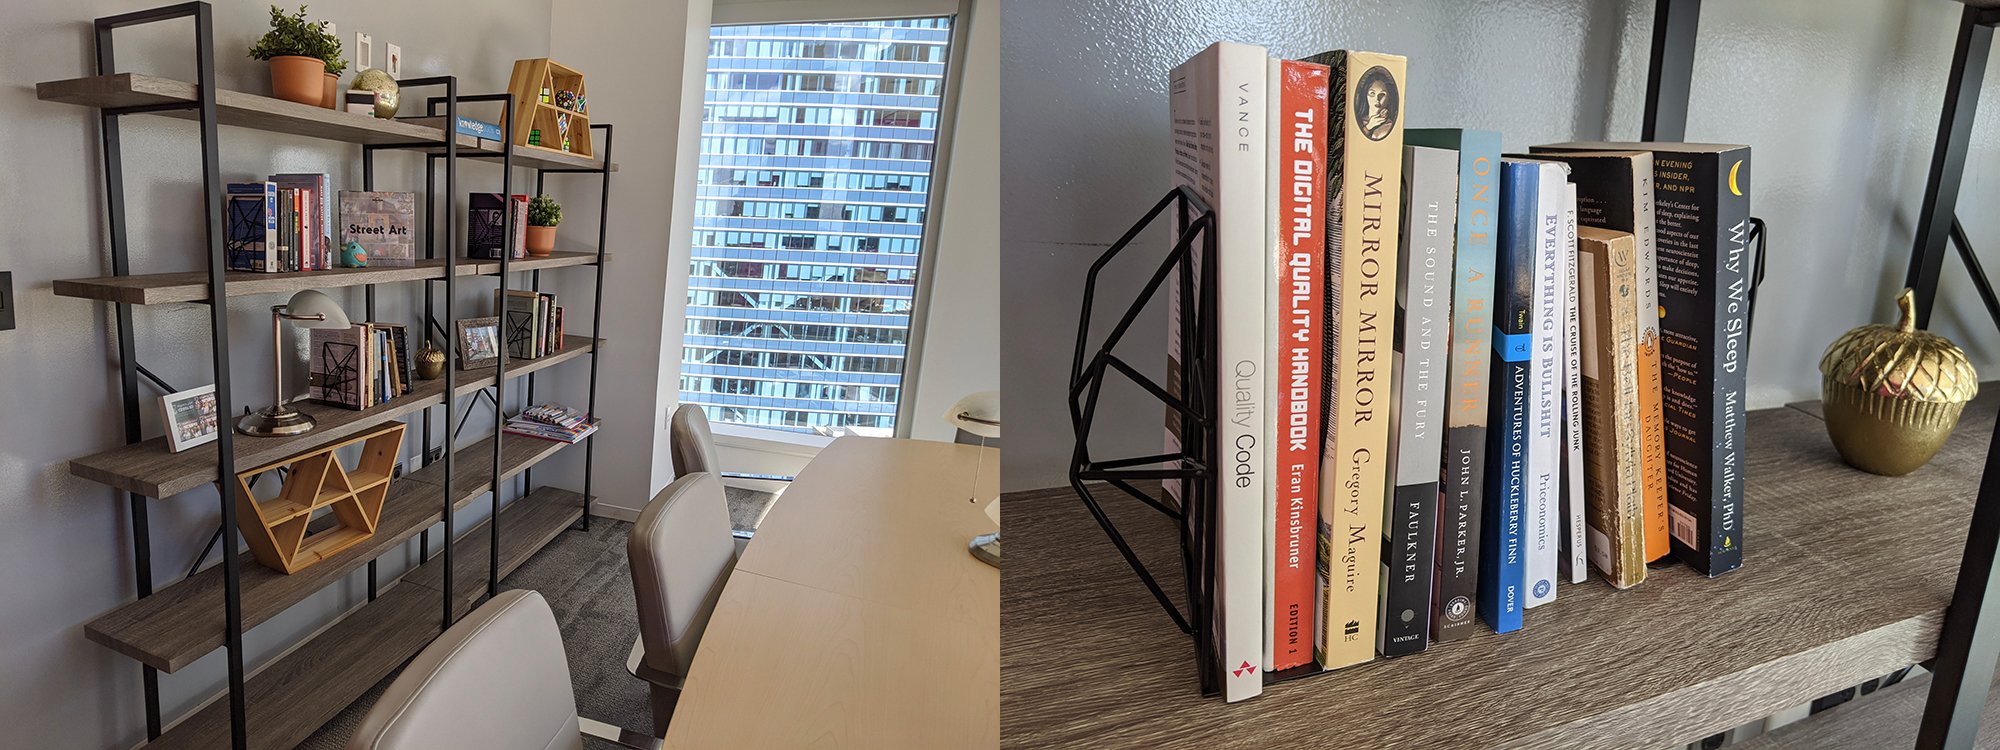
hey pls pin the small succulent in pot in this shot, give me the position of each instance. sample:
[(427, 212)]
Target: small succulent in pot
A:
[(544, 213), (301, 54)]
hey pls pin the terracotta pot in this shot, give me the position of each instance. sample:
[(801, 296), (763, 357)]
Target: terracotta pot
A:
[(297, 78), (541, 241), (331, 99)]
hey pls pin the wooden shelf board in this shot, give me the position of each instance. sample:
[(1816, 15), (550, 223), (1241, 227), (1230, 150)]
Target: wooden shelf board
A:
[(183, 621), (526, 525), (257, 112), (150, 469), (301, 691), (192, 286), (558, 259), (1845, 578)]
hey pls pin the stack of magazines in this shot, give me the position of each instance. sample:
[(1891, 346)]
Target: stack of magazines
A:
[(553, 422)]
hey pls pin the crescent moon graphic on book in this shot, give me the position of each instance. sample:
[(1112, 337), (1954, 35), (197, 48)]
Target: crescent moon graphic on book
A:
[(1733, 189)]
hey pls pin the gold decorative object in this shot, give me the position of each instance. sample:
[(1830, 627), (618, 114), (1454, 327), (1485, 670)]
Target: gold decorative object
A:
[(388, 95), (1894, 393), (430, 362)]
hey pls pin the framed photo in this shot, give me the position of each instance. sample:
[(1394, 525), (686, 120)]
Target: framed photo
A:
[(478, 342), (190, 417)]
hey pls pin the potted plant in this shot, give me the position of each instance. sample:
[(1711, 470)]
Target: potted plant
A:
[(334, 67), (298, 51), (544, 213)]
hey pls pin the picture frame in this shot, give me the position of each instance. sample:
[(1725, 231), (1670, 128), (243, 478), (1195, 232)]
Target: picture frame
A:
[(190, 417), (478, 341)]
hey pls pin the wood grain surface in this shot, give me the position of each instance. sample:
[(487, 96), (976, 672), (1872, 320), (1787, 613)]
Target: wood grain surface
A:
[(192, 286), (1845, 578), (526, 525), (859, 620), (148, 468)]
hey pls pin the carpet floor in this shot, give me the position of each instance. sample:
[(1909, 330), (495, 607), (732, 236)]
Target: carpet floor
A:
[(588, 583)]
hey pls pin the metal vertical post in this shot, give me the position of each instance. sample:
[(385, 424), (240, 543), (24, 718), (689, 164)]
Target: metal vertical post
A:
[(1670, 74), (597, 318), (367, 183), (450, 351), (1970, 638), (506, 343), (1961, 100)]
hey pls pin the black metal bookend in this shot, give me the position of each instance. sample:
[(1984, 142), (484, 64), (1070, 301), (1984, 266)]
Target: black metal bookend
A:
[(1189, 395)]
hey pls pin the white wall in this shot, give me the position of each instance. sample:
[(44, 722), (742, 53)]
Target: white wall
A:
[(65, 546), (1839, 101), (961, 347)]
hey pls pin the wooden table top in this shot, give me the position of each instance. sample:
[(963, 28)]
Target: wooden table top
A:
[(856, 617)]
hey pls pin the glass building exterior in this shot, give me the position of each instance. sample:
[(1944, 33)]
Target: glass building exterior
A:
[(816, 150)]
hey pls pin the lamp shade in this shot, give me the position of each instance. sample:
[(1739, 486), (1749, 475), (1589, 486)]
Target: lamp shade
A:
[(311, 308), (978, 414)]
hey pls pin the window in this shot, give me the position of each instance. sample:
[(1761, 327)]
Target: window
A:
[(814, 186)]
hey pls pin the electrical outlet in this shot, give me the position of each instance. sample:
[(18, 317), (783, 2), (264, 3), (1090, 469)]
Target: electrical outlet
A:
[(364, 52), (433, 455), (6, 300), (394, 63)]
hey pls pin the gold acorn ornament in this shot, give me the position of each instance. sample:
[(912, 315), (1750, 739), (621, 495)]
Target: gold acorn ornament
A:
[(1893, 393)]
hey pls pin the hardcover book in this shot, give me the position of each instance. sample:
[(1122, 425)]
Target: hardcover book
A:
[(251, 240), (1615, 191), (1702, 210), (1364, 177), (314, 218), (1503, 553), (1220, 110), (1417, 387), (1463, 476), (487, 234), (1574, 568), (1614, 504), (1545, 392), (383, 223), (1294, 296)]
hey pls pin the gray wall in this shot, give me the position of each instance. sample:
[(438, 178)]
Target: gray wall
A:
[(64, 542), (1839, 101)]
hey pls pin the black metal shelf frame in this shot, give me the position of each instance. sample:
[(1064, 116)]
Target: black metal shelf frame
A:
[(130, 371)]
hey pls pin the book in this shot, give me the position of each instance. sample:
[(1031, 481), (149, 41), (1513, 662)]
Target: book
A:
[(316, 219), (1502, 553), (1615, 191), (1218, 101), (553, 422), (338, 370), (520, 322), (251, 238), (1573, 566), (1701, 197), (1613, 492), (487, 235), (383, 223), (1418, 386), (1544, 479), (1462, 478), (1294, 289), (1364, 177)]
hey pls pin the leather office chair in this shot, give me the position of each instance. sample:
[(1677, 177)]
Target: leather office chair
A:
[(496, 680), (681, 554), (692, 446)]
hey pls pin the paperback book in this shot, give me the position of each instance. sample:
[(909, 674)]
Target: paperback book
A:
[(1574, 568), (1545, 392), (1614, 505), (1502, 570)]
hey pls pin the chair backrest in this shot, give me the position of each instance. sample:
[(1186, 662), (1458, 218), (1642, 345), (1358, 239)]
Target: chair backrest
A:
[(692, 444), (497, 680), (681, 553)]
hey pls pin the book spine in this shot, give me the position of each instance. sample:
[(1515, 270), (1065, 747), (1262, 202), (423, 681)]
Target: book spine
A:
[(1544, 490), (1418, 383), (1295, 292), (1705, 290), (1463, 473), (1575, 569), (272, 249), (1652, 406), (1613, 497), (1364, 173), (1502, 555)]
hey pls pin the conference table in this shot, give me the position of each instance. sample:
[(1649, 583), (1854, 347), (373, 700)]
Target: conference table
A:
[(856, 617)]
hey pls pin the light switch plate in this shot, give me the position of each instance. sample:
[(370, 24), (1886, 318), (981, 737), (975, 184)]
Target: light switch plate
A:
[(364, 52), (6, 300), (395, 61)]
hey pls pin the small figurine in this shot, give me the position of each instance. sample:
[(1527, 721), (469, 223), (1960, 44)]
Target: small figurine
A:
[(352, 256)]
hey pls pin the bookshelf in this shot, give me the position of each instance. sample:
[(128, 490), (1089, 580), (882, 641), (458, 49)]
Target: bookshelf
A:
[(1846, 579), (172, 624)]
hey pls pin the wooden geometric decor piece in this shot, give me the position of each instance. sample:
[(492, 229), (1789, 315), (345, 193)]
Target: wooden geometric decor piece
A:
[(276, 530), (548, 124)]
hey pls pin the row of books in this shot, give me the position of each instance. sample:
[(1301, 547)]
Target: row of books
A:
[(286, 224), (362, 365), (553, 422), (533, 323), (1454, 380)]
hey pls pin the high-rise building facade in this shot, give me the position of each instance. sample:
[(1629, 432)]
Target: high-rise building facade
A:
[(816, 150)]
